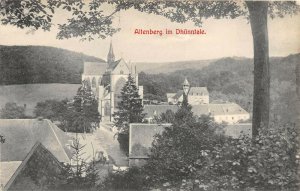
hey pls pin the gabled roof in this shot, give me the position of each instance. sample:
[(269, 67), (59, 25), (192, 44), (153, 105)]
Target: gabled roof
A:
[(202, 109), (218, 109), (178, 94), (170, 95), (113, 65), (141, 136), (195, 91), (151, 110), (7, 170), (11, 169), (94, 68), (201, 91), (21, 134)]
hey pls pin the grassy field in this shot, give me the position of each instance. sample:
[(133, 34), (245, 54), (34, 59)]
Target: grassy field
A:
[(30, 94)]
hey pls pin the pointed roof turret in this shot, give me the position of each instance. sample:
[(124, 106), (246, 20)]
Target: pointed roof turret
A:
[(110, 56), (186, 82), (186, 86)]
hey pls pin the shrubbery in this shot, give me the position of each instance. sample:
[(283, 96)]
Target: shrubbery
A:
[(193, 155)]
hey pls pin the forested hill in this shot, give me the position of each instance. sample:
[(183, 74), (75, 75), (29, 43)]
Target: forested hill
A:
[(40, 64), (231, 79)]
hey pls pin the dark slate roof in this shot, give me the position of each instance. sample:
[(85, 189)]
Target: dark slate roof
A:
[(198, 91), (11, 169), (238, 130), (152, 110), (21, 134), (94, 68), (141, 136)]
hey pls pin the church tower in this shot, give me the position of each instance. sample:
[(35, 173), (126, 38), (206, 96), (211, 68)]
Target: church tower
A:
[(186, 86), (110, 56)]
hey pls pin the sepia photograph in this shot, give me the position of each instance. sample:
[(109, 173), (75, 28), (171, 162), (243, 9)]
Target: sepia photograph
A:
[(149, 95)]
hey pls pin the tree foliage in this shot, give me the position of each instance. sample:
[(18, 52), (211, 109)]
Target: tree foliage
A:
[(51, 109), (129, 110), (82, 114), (193, 155), (12, 111), (80, 174), (98, 23), (27, 13), (41, 64)]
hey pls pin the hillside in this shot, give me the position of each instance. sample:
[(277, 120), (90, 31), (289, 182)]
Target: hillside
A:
[(231, 79), (40, 64), (169, 67), (30, 94)]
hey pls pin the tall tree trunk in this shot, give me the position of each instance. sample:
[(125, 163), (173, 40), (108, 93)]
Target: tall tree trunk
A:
[(261, 96), (298, 90), (298, 105)]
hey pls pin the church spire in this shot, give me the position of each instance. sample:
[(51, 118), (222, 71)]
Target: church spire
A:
[(110, 56)]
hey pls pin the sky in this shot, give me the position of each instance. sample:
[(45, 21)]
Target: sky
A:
[(223, 38)]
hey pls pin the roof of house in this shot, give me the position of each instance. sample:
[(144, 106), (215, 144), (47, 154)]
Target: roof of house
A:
[(10, 169), (21, 134), (141, 137), (195, 91), (170, 95), (218, 109), (178, 94), (201, 91), (94, 68), (202, 109), (238, 130), (152, 110)]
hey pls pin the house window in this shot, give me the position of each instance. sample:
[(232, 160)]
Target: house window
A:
[(121, 72)]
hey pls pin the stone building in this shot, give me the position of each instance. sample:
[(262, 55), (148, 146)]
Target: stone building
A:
[(196, 95), (230, 113), (107, 80)]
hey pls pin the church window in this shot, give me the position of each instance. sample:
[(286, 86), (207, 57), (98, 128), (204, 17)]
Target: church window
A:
[(94, 82), (107, 109)]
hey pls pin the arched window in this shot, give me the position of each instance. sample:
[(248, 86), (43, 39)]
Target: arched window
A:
[(118, 88), (94, 82), (107, 109)]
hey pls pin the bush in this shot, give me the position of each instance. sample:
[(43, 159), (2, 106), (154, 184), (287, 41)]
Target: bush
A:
[(133, 179), (266, 163)]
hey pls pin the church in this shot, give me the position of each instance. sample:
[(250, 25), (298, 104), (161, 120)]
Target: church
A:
[(107, 80)]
